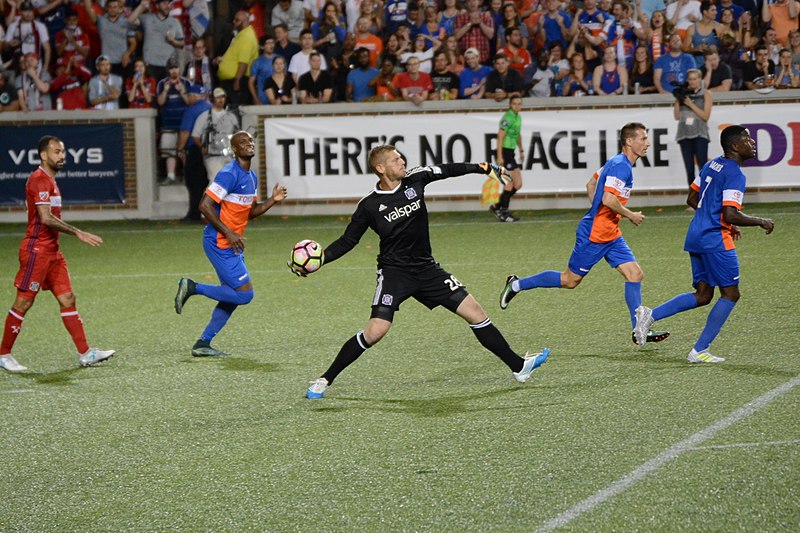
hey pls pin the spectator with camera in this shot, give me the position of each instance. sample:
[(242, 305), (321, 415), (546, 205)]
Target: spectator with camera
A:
[(691, 109), (69, 85), (212, 132)]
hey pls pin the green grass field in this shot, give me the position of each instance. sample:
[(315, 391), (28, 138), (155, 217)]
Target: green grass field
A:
[(427, 431)]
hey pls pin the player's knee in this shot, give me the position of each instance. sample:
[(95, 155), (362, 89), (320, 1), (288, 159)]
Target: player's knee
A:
[(704, 297), (730, 293), (66, 300), (570, 282), (244, 297)]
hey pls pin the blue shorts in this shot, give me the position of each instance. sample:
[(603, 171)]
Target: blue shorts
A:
[(230, 266), (587, 254), (717, 269)]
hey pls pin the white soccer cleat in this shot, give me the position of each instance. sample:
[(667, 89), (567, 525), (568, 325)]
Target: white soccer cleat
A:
[(703, 357), (7, 362), (317, 389), (94, 356), (644, 319), (532, 362)]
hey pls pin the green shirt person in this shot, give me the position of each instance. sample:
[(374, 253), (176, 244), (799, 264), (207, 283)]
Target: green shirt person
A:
[(508, 140)]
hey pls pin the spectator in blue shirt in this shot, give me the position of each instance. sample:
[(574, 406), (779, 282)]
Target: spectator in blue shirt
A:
[(555, 24), (261, 70), (358, 79), (194, 169), (473, 77), (671, 68)]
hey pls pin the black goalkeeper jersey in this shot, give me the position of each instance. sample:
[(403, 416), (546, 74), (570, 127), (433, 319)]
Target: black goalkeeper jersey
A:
[(399, 217)]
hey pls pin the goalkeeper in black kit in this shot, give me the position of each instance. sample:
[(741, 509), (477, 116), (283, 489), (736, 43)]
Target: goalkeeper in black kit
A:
[(396, 211)]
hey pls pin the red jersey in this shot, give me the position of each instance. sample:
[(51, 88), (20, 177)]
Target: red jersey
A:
[(41, 189)]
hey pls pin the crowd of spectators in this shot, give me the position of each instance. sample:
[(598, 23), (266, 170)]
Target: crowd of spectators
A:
[(108, 54)]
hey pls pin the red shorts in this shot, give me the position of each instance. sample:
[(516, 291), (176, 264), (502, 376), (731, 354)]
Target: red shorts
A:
[(42, 270)]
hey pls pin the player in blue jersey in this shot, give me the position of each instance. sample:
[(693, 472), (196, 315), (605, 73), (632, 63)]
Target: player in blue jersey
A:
[(228, 204), (717, 195), (598, 235)]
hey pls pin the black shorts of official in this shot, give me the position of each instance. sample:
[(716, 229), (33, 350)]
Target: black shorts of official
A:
[(510, 159), (432, 286)]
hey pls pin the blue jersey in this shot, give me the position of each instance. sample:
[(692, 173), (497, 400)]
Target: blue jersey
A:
[(234, 190), (600, 224), (720, 183)]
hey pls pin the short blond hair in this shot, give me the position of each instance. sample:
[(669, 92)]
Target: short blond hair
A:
[(378, 154)]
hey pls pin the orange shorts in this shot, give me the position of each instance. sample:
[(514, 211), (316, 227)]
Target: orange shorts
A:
[(42, 270)]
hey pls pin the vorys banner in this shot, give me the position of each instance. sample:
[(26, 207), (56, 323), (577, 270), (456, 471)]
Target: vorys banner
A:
[(326, 157), (94, 171)]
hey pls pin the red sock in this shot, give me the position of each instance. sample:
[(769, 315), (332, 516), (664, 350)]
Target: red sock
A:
[(74, 324), (11, 330)]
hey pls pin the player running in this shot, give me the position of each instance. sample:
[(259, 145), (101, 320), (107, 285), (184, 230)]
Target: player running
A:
[(508, 140), (41, 264), (717, 195), (228, 205), (396, 211), (598, 235)]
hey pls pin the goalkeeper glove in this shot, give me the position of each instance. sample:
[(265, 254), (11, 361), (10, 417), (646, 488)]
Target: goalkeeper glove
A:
[(297, 271), (496, 172)]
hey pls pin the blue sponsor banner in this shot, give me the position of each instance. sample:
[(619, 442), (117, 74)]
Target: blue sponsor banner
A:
[(93, 173)]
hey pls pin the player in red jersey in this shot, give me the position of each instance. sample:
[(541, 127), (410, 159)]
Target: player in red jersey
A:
[(41, 264)]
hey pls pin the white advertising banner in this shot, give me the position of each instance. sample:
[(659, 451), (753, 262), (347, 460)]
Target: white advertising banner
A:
[(326, 157)]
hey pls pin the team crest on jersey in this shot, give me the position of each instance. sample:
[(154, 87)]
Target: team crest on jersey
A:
[(34, 286), (43, 195), (410, 193), (387, 299), (382, 208)]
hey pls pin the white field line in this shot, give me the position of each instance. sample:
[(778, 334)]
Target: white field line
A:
[(326, 226), (666, 456), (15, 391), (745, 445)]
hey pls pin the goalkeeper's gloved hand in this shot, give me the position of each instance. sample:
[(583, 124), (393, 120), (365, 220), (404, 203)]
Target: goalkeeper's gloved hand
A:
[(496, 172), (297, 271)]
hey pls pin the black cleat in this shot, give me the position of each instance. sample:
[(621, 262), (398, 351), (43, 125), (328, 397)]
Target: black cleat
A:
[(653, 336), (508, 293), (185, 289), (204, 349)]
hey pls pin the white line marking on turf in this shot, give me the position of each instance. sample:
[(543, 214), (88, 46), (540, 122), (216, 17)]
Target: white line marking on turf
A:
[(668, 455), (745, 445), (15, 391)]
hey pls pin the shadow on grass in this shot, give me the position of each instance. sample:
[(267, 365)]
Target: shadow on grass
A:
[(59, 378), (236, 364), (653, 358), (426, 407)]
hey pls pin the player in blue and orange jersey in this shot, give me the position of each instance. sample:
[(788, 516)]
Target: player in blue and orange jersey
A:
[(717, 195), (598, 235), (41, 264), (228, 205)]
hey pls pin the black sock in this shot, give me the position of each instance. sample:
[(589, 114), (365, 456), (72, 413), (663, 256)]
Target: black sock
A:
[(350, 351), (491, 339), (505, 197)]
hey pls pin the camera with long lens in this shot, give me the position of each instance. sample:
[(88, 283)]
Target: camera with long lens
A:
[(680, 90)]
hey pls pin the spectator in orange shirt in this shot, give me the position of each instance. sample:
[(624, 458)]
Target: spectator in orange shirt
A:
[(782, 15), (518, 56)]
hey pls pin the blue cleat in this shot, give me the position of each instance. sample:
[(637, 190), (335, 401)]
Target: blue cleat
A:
[(317, 389), (532, 362)]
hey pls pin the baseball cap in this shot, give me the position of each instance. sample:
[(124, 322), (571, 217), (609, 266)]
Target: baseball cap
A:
[(26, 6), (100, 59), (172, 62), (472, 52), (219, 91), (197, 89)]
